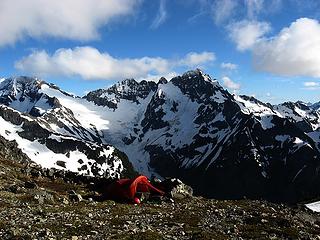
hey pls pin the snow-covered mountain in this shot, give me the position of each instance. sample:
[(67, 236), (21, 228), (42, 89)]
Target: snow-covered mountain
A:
[(304, 116), (37, 116), (189, 127)]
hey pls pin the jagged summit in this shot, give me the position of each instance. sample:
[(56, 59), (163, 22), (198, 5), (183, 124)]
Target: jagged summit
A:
[(194, 83), (298, 104), (26, 94), (23, 94), (163, 80), (197, 73), (128, 89), (305, 117), (12, 86), (195, 77), (315, 106)]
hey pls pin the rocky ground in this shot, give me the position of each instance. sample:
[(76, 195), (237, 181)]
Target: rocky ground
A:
[(47, 207)]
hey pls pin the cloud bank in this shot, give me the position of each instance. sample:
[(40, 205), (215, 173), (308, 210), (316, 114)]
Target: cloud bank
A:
[(88, 63), (245, 34), (295, 51), (194, 59), (311, 85), (228, 66), (68, 19), (227, 82)]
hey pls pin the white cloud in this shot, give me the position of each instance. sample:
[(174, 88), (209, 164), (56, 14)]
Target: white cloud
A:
[(295, 51), (197, 59), (311, 84), (161, 16), (89, 63), (156, 78), (254, 7), (229, 66), (223, 10), (246, 33), (69, 19), (227, 82)]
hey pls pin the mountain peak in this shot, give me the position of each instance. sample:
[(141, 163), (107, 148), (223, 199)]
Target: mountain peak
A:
[(196, 84), (314, 106), (163, 80), (127, 82), (197, 73), (293, 105), (15, 85), (128, 89), (20, 80)]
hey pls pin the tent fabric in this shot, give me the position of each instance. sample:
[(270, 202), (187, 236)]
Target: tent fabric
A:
[(126, 189)]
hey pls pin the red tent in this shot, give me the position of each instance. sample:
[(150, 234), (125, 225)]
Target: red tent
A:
[(126, 189)]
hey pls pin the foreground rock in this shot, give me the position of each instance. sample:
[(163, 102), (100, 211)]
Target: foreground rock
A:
[(180, 190), (194, 218), (44, 210)]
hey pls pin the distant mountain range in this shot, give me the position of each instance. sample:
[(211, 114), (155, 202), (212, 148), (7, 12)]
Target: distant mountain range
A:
[(224, 145)]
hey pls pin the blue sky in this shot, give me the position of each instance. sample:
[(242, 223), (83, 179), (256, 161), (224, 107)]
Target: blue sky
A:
[(266, 48)]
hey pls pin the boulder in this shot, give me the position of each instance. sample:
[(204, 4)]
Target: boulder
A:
[(74, 197), (175, 188)]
